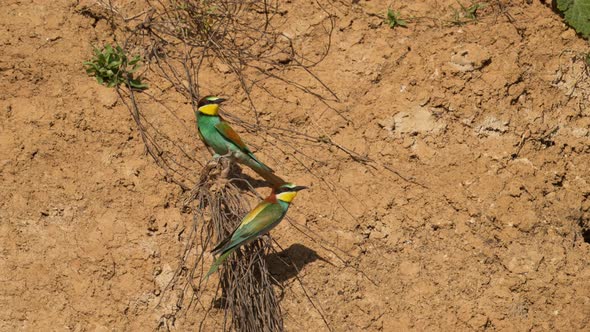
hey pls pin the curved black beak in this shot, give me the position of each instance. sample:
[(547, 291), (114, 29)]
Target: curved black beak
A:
[(220, 100), (297, 188)]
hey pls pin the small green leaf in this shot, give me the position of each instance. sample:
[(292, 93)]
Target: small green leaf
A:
[(393, 19), (110, 67), (114, 64), (564, 5), (137, 84), (134, 60), (576, 14)]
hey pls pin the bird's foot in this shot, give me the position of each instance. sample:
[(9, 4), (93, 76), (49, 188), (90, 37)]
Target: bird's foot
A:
[(218, 156), (229, 157), (220, 165), (218, 159), (229, 154), (225, 171), (212, 165)]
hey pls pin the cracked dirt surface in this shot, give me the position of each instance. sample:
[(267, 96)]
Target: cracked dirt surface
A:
[(474, 215)]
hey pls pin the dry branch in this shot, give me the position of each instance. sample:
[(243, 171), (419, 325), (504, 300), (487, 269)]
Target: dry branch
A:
[(245, 286)]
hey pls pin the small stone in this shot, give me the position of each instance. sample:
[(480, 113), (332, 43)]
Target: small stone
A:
[(580, 132), (409, 269), (492, 126), (388, 123), (469, 58), (478, 322), (283, 58), (568, 34), (419, 120), (223, 67), (524, 261), (107, 97), (422, 150), (527, 221), (514, 189)]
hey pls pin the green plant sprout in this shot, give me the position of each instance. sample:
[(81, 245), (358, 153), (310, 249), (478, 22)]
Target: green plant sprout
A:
[(394, 19), (469, 13), (111, 67)]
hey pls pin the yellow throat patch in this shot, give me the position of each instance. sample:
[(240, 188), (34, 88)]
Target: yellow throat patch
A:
[(211, 109), (287, 196)]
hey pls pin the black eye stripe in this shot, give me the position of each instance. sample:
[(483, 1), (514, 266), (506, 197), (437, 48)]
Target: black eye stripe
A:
[(204, 101), (282, 190)]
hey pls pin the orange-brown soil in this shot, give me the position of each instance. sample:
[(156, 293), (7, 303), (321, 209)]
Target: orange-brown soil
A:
[(471, 216)]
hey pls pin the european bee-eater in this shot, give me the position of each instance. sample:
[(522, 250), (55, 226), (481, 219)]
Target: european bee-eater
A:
[(224, 141), (264, 217)]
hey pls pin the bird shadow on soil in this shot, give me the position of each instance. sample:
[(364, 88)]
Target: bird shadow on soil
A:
[(286, 264), (283, 266)]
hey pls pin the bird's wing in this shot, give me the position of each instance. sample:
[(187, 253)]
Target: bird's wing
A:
[(268, 217), (261, 219), (227, 242), (228, 132)]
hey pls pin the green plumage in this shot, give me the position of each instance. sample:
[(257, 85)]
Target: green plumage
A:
[(222, 139), (264, 217)]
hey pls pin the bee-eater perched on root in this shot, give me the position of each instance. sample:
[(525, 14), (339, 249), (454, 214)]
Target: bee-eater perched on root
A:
[(264, 217), (224, 141)]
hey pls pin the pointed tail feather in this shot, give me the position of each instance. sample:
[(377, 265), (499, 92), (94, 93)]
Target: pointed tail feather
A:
[(219, 247), (218, 262), (266, 172), (261, 165), (274, 179)]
